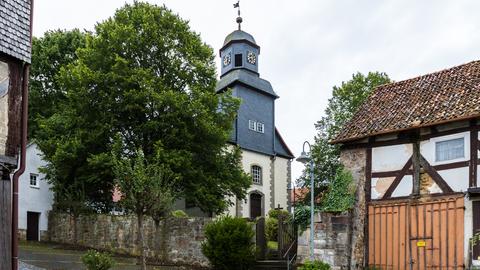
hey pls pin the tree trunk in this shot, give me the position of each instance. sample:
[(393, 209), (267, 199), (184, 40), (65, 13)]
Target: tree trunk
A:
[(75, 239), (141, 243)]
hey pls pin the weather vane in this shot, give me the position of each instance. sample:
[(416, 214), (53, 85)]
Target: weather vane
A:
[(239, 18)]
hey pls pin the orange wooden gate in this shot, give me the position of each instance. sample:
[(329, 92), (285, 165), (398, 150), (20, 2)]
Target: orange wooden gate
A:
[(425, 233)]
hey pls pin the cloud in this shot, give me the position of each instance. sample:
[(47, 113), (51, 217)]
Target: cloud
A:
[(308, 46)]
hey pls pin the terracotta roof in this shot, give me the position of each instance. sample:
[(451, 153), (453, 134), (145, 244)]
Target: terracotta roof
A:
[(449, 95)]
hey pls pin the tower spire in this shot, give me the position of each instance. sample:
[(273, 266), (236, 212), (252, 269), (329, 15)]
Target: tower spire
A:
[(239, 18)]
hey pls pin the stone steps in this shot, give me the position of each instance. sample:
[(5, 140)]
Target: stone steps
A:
[(270, 264)]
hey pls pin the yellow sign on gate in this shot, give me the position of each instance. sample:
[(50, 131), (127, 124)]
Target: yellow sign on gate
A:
[(421, 244)]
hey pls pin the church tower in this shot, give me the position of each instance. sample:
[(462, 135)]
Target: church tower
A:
[(265, 156)]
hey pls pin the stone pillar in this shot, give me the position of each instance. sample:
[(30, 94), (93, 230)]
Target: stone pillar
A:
[(355, 161)]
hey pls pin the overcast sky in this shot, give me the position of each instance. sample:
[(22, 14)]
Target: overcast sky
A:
[(308, 46)]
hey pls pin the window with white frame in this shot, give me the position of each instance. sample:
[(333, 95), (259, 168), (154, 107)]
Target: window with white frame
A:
[(256, 172), (256, 126), (260, 127), (252, 125), (450, 149), (34, 180)]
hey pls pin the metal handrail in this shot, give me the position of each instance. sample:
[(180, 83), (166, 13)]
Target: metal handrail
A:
[(288, 250), (290, 261)]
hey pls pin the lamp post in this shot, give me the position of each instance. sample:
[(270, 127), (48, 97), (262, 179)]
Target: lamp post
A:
[(307, 158)]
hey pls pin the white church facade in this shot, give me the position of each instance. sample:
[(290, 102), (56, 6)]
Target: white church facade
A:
[(265, 155)]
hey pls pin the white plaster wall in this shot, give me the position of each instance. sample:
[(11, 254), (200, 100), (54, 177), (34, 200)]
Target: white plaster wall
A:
[(3, 106), (281, 182), (252, 158), (457, 179), (3, 123), (468, 229), (34, 199), (390, 158), (427, 148)]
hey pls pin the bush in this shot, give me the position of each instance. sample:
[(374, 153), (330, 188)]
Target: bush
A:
[(315, 265), (179, 214), (340, 195), (95, 260), (271, 229), (275, 213), (228, 244)]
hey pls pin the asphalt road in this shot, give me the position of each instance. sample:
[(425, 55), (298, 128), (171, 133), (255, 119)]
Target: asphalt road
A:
[(40, 256)]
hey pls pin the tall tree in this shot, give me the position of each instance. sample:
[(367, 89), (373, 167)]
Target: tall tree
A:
[(147, 187), (50, 53), (146, 77), (344, 102)]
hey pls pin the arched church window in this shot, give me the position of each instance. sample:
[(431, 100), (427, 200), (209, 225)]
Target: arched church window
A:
[(256, 172)]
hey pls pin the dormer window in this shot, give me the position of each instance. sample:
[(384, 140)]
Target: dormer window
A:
[(238, 60), (256, 126)]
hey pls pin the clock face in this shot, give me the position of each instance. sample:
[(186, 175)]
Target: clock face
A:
[(227, 59), (251, 58)]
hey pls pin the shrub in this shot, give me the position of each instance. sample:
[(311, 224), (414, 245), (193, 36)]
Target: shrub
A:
[(340, 195), (95, 260), (315, 265), (179, 214), (271, 229), (275, 213), (228, 244)]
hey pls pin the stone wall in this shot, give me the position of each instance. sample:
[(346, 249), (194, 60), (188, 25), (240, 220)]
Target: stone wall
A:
[(355, 161), (331, 241), (176, 241)]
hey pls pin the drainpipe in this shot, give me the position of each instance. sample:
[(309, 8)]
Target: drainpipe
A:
[(21, 170)]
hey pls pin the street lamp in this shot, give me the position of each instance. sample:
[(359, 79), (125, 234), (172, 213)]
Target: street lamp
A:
[(307, 158)]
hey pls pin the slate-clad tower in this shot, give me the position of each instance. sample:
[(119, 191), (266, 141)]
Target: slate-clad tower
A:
[(265, 155)]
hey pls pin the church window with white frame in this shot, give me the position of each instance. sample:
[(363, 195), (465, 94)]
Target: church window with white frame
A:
[(256, 172), (256, 126), (450, 149)]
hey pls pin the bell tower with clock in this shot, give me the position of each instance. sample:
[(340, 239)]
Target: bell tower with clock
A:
[(265, 155)]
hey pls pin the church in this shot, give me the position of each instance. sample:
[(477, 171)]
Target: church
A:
[(265, 155)]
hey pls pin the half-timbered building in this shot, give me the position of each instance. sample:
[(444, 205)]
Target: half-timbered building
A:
[(413, 149)]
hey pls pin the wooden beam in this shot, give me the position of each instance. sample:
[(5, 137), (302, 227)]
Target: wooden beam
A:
[(397, 179), (442, 167), (435, 176), (472, 170), (416, 168), (406, 139)]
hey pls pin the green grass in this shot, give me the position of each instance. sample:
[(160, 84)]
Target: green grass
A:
[(272, 245)]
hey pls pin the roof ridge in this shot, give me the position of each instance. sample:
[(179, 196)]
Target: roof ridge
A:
[(427, 74)]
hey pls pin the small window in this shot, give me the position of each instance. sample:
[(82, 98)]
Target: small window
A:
[(450, 149), (256, 174), (34, 180), (238, 60), (252, 125), (260, 127)]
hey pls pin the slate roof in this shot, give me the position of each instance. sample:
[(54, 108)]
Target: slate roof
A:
[(15, 29), (281, 147), (238, 35), (247, 78), (449, 95)]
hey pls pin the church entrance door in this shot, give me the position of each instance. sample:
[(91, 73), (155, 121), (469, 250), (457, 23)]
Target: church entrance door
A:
[(255, 205)]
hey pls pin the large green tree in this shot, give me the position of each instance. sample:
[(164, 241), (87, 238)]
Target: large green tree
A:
[(345, 101), (50, 53), (145, 77)]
